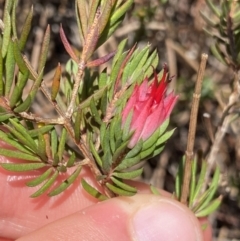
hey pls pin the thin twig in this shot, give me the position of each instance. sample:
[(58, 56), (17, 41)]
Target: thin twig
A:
[(221, 131), (192, 129)]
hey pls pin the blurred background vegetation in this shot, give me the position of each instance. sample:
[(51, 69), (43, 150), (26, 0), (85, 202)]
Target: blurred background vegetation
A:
[(175, 29)]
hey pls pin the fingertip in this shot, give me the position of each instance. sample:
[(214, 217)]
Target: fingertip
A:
[(143, 217)]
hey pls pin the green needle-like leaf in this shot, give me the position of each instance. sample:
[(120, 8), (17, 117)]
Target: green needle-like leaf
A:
[(119, 191), (123, 185), (63, 186), (22, 167), (210, 208), (46, 185), (62, 143), (92, 191), (154, 190), (193, 181), (19, 155), (44, 50), (38, 180), (135, 151), (126, 163), (179, 179), (54, 141), (128, 175), (10, 66), (201, 180), (26, 29), (95, 154), (40, 130), (4, 137), (120, 12), (6, 33), (21, 130), (71, 160)]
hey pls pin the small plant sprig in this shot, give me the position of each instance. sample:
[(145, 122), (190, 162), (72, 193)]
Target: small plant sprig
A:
[(108, 123)]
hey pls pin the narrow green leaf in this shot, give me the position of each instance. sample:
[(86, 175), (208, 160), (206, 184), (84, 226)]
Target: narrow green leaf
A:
[(123, 185), (42, 147), (26, 29), (82, 8), (40, 130), (55, 160), (13, 16), (14, 143), (128, 175), (93, 8), (44, 50), (92, 191), (18, 58), (120, 49), (119, 152), (148, 152), (213, 8), (17, 91), (210, 208), (46, 185), (201, 200), (24, 105), (6, 33), (22, 167), (193, 182), (154, 190), (165, 137), (54, 141), (95, 154), (119, 191), (218, 54), (120, 12), (30, 142), (77, 125), (95, 112), (56, 82), (213, 187), (112, 134), (126, 126), (62, 143), (38, 180), (10, 66), (128, 163), (4, 116), (135, 151), (179, 179), (97, 95), (151, 141), (107, 161), (71, 160), (63, 186), (105, 14), (201, 179)]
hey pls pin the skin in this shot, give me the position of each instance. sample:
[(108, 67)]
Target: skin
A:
[(75, 215)]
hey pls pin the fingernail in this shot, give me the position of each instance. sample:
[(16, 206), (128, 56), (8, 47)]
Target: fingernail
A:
[(165, 221)]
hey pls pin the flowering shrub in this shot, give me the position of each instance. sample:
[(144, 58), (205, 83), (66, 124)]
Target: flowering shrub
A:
[(150, 106)]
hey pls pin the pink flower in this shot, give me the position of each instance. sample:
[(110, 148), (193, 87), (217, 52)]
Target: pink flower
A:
[(151, 106)]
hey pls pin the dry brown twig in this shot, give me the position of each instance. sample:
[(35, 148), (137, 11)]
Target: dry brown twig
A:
[(192, 129)]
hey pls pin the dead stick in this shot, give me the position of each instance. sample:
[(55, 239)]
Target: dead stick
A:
[(192, 129)]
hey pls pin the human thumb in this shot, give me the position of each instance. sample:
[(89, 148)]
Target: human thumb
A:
[(143, 217)]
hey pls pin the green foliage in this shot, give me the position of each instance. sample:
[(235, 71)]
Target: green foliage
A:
[(201, 203), (223, 26), (87, 128)]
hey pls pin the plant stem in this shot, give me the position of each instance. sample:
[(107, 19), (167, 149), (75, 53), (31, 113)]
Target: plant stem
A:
[(222, 129), (192, 130)]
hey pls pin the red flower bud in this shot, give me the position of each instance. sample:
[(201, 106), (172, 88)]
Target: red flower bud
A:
[(151, 106)]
